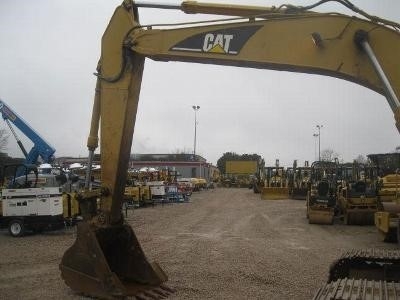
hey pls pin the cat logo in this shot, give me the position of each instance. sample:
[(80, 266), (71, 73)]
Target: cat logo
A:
[(224, 41), (218, 43)]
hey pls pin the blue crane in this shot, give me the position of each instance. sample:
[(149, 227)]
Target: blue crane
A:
[(40, 146)]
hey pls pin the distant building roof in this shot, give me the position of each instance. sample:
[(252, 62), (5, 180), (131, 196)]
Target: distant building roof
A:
[(178, 157), (167, 157)]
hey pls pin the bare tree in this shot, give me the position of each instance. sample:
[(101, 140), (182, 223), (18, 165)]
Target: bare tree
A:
[(329, 155), (361, 159)]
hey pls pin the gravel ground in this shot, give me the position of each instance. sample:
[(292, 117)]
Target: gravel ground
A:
[(224, 244)]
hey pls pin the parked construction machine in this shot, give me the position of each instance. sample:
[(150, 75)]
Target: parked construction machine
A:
[(258, 178), (299, 181), (106, 259), (387, 219), (321, 196), (357, 196), (276, 183), (238, 172), (29, 204)]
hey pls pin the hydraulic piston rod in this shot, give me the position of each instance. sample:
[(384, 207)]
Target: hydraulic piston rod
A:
[(361, 38), (194, 7), (93, 139)]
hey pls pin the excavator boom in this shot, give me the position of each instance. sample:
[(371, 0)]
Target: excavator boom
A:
[(107, 260)]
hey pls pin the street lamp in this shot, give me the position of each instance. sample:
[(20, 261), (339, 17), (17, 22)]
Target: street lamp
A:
[(315, 135), (195, 108), (319, 141)]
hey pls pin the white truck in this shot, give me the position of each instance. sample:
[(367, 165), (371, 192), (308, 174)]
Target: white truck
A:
[(27, 207)]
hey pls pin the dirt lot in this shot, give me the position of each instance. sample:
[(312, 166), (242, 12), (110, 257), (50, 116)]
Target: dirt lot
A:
[(224, 244)]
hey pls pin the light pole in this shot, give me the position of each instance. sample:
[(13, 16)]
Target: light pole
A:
[(319, 141), (195, 108), (315, 135)]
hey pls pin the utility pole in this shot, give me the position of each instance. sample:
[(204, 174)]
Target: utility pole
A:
[(315, 135), (195, 108), (319, 141)]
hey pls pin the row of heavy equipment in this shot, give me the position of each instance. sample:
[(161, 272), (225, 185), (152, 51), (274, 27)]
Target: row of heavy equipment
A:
[(359, 194), (349, 190), (49, 198), (273, 182), (356, 193), (150, 185)]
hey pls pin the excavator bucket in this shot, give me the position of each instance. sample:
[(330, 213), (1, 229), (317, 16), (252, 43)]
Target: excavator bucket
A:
[(108, 263), (274, 193)]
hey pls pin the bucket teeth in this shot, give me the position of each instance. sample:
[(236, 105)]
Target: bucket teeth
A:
[(161, 292)]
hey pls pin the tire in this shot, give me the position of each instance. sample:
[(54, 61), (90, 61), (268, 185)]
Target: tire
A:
[(16, 228)]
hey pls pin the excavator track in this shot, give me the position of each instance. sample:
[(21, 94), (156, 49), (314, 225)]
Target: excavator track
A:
[(371, 264), (346, 288)]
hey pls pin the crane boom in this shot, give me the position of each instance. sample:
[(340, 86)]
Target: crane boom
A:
[(41, 148)]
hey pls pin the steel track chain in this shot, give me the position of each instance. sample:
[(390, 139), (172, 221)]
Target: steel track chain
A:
[(362, 258)]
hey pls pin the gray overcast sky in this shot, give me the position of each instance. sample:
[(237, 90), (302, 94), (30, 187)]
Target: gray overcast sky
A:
[(49, 51)]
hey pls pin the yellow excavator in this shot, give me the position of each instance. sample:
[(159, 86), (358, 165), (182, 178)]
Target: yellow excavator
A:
[(106, 260)]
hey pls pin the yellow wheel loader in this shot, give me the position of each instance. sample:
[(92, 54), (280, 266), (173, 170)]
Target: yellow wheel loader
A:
[(321, 196), (276, 183), (106, 260)]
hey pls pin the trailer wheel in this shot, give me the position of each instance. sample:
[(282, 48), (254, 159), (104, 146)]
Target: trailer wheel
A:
[(16, 228)]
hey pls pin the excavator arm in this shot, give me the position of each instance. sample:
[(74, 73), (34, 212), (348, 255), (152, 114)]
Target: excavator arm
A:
[(107, 260)]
